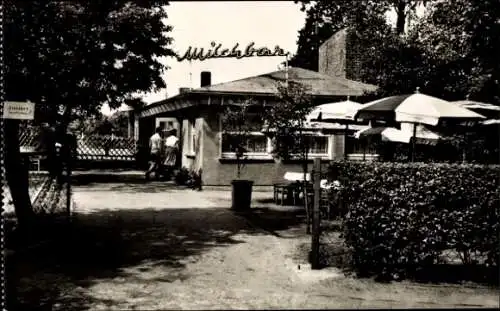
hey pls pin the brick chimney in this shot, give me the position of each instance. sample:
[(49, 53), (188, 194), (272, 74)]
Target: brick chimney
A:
[(206, 78), (339, 56), (183, 90)]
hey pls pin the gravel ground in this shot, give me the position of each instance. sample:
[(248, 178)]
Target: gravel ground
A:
[(156, 247)]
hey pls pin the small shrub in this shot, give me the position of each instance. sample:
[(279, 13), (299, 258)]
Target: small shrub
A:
[(182, 176), (189, 178), (401, 217)]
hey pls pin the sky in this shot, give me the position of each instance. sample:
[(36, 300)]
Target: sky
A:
[(197, 24)]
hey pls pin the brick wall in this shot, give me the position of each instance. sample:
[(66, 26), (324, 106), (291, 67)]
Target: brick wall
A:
[(340, 56), (354, 57), (332, 55)]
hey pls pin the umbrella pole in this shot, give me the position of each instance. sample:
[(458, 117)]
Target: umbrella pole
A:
[(414, 138), (345, 141), (464, 148), (365, 142)]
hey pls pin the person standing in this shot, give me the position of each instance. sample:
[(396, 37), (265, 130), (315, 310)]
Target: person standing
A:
[(171, 148), (155, 148)]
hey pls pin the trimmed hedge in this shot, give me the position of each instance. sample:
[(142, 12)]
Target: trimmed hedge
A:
[(402, 216)]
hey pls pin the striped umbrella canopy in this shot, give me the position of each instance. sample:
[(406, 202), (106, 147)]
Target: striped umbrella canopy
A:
[(416, 108)]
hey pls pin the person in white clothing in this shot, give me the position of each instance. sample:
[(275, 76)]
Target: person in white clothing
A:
[(171, 149), (155, 147)]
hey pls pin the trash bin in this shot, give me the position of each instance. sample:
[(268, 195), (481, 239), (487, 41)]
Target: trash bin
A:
[(241, 194)]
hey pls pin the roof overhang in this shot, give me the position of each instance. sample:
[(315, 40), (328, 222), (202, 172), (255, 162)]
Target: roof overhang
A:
[(188, 99), (268, 94), (172, 104)]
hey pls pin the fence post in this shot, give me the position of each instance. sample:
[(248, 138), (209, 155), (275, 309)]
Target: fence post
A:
[(71, 154), (68, 190), (316, 219)]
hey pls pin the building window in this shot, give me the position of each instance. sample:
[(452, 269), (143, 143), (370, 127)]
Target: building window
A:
[(359, 146), (166, 123), (318, 145), (256, 144)]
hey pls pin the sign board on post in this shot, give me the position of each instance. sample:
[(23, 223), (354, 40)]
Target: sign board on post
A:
[(19, 110)]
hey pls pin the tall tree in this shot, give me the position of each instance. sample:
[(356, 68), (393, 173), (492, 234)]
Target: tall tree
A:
[(450, 53), (326, 17), (70, 57), (460, 40), (286, 122)]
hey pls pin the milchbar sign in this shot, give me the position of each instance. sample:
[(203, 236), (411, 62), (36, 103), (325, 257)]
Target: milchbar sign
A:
[(216, 51)]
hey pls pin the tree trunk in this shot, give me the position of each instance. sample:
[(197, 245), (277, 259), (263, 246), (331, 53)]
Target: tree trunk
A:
[(16, 173), (401, 19), (65, 120)]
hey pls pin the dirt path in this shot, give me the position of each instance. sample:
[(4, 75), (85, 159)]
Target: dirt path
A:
[(186, 253)]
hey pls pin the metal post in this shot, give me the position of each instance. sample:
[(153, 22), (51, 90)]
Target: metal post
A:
[(286, 70), (68, 189), (190, 75), (414, 138), (465, 147), (345, 140), (316, 174), (71, 151)]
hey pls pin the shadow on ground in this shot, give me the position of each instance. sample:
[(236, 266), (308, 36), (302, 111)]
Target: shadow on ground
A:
[(93, 178), (133, 186), (283, 222), (118, 244)]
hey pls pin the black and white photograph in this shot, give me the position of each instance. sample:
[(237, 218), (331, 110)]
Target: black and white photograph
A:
[(220, 155)]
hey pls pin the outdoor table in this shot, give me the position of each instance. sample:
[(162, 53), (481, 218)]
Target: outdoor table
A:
[(290, 192), (282, 190)]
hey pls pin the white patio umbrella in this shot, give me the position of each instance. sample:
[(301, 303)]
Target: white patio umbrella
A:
[(491, 122), (416, 108), (403, 135), (392, 134), (485, 109), (338, 112)]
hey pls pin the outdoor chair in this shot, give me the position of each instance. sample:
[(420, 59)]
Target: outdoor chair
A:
[(285, 192), (288, 193), (35, 162)]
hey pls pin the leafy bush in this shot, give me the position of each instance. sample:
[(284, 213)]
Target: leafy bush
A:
[(182, 176), (401, 217), (185, 177)]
